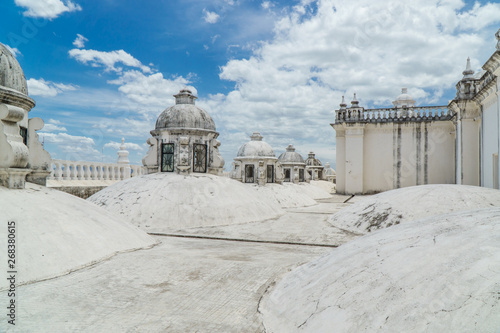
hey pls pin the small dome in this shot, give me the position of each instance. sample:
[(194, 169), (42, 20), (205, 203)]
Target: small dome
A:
[(404, 100), (290, 156), (256, 148), (312, 160), (184, 114), (329, 171), (11, 73)]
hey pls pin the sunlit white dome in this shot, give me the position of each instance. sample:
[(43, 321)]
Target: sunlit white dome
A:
[(291, 156), (11, 73), (404, 100), (256, 148), (184, 114)]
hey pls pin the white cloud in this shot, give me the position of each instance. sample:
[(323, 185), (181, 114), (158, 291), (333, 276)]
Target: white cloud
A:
[(291, 85), (47, 88), (70, 147), (153, 92), (107, 59), (14, 50), (267, 4), (210, 17), (54, 128), (128, 146), (80, 40), (48, 9)]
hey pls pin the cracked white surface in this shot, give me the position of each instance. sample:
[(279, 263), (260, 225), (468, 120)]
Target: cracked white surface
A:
[(389, 208), (57, 232), (438, 274), (166, 201), (182, 285)]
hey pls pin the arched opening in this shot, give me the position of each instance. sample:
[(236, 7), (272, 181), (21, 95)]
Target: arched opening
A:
[(287, 175), (270, 173), (249, 173)]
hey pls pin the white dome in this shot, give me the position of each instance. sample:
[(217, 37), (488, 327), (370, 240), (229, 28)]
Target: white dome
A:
[(167, 201), (11, 73), (184, 114), (291, 156), (256, 148), (58, 232), (312, 160), (438, 274), (405, 204), (404, 99), (328, 170)]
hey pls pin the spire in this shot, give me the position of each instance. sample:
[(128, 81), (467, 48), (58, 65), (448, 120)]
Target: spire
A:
[(468, 72), (290, 148), (123, 154), (343, 104), (354, 102)]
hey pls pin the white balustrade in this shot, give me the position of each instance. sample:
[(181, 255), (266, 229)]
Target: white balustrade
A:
[(83, 170), (417, 113)]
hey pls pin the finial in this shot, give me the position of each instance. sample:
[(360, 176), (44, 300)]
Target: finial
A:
[(404, 90), (354, 102), (290, 148), (342, 104), (468, 72)]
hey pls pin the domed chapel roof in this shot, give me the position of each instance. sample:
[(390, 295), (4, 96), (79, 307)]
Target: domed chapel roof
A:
[(184, 114), (313, 161), (11, 73), (256, 148), (290, 156)]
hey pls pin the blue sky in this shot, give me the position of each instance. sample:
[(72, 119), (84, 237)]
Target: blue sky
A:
[(103, 70)]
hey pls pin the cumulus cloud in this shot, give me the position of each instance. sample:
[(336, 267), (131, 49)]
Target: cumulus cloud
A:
[(151, 91), (47, 88), (80, 40), (128, 146), (291, 85), (14, 50), (54, 128), (210, 17), (71, 147), (48, 9), (108, 60)]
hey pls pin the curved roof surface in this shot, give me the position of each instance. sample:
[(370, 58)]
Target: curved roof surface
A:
[(184, 114), (291, 156), (313, 161), (11, 73), (256, 148)]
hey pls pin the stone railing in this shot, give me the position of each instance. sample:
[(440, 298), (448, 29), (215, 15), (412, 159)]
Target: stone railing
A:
[(71, 170), (411, 114)]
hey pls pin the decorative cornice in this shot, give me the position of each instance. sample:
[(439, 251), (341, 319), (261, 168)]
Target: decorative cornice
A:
[(13, 97), (488, 89), (493, 63)]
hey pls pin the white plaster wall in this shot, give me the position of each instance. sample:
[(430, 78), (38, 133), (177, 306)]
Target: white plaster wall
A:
[(470, 152), (377, 158), (354, 160), (441, 153), (409, 153), (340, 160), (490, 143)]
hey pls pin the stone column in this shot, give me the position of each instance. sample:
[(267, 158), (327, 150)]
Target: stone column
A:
[(354, 169)]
